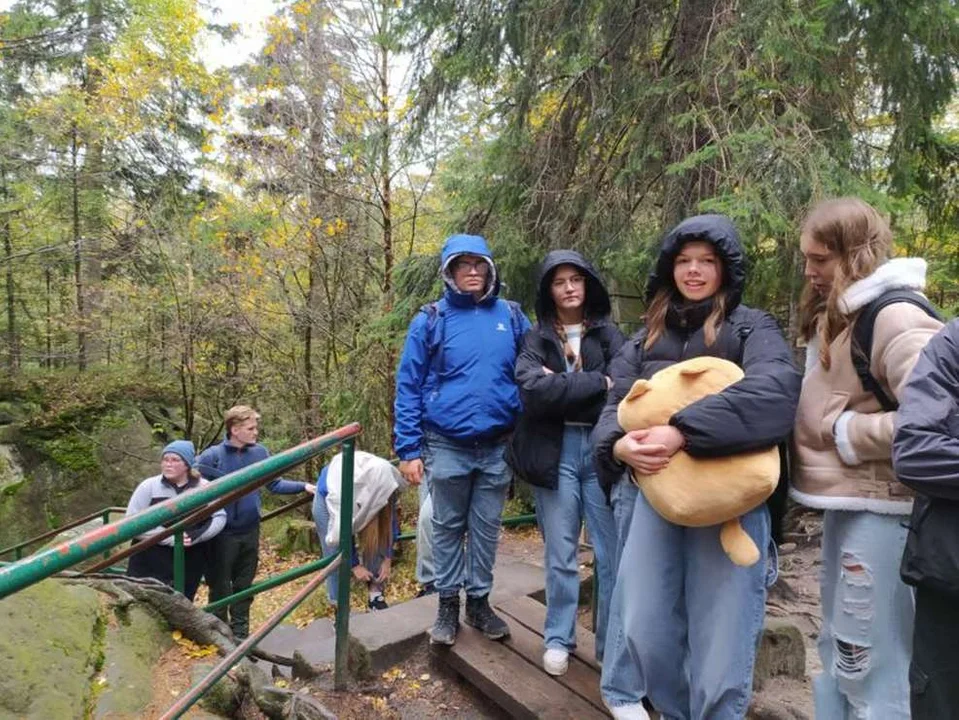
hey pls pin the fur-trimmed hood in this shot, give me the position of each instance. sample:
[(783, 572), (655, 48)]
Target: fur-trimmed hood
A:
[(895, 274)]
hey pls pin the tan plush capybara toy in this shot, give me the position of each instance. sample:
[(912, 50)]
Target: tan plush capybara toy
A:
[(697, 492)]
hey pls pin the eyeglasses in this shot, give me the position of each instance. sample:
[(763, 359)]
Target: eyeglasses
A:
[(480, 266)]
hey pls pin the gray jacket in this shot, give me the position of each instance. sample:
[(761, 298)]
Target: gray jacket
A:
[(925, 455)]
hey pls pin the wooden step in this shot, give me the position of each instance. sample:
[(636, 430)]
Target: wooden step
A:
[(510, 672), (532, 614)]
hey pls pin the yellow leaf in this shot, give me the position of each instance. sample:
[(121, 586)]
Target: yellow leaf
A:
[(177, 635)]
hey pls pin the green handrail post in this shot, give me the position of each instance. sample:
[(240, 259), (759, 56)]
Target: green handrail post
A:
[(106, 521), (179, 562), (345, 570)]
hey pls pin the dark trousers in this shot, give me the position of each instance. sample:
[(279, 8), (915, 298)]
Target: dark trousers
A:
[(232, 567), (934, 672), (157, 562)]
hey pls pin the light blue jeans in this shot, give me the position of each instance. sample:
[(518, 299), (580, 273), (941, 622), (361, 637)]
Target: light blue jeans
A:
[(425, 572), (867, 618), (621, 681), (692, 619), (468, 485), (560, 513), (321, 517)]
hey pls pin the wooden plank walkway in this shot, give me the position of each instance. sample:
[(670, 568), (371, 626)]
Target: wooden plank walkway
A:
[(510, 673)]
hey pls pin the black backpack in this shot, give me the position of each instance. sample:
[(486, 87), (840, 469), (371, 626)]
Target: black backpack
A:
[(862, 332)]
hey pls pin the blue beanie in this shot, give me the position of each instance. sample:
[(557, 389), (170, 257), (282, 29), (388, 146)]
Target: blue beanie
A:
[(183, 448)]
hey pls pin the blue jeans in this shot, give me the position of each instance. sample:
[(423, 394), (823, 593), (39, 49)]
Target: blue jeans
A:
[(321, 517), (621, 680), (425, 569), (468, 485), (692, 619), (560, 513), (867, 618)]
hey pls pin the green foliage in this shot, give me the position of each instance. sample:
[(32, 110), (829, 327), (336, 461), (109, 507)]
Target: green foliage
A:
[(264, 235)]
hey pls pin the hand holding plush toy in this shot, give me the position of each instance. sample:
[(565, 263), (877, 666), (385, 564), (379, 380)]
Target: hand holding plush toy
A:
[(698, 492)]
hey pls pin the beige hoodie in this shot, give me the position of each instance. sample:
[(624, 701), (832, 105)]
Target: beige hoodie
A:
[(842, 444)]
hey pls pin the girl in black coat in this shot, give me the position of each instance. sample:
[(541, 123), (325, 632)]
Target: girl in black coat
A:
[(562, 376), (685, 621)]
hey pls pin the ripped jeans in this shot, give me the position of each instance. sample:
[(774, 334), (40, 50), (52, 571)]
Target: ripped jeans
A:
[(866, 638)]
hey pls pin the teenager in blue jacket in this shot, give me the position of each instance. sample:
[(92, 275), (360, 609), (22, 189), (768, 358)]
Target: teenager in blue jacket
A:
[(456, 403)]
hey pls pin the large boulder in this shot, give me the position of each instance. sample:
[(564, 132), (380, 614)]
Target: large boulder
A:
[(69, 651), (51, 475)]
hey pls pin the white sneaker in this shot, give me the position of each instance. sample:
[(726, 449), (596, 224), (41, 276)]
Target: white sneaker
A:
[(635, 711), (555, 662)]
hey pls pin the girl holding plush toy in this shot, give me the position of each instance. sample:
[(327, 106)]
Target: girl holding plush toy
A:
[(685, 621), (866, 324)]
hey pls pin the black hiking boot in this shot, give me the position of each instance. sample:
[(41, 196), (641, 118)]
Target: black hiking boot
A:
[(481, 616), (427, 589), (447, 622)]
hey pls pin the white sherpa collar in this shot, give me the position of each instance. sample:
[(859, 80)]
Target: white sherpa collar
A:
[(896, 274)]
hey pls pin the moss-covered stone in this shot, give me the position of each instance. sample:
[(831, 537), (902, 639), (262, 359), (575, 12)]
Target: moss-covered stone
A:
[(48, 650), (135, 639)]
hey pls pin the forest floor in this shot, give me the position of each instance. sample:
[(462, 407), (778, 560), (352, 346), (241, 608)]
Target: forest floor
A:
[(422, 688)]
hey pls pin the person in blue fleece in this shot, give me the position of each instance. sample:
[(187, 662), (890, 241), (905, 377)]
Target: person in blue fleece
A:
[(456, 404), (236, 551)]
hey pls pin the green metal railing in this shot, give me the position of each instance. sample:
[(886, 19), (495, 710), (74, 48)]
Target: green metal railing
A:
[(103, 514), (196, 504)]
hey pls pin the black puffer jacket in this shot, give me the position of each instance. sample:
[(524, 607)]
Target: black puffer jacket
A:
[(925, 454), (755, 413), (551, 400)]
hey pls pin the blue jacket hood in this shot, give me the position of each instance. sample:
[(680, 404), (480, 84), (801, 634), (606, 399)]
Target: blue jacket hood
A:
[(456, 245)]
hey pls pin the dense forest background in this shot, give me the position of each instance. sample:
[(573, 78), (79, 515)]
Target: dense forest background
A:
[(264, 233)]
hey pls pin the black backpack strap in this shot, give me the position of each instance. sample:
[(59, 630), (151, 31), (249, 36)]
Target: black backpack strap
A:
[(862, 334)]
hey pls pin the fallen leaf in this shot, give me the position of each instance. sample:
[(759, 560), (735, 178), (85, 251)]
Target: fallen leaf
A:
[(424, 677)]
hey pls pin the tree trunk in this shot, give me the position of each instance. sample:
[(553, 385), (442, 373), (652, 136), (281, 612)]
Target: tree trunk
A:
[(92, 181), (386, 192), (13, 342), (78, 257), (697, 24), (48, 321)]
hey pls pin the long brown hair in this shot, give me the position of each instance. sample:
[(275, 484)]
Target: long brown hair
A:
[(377, 535), (655, 317), (862, 241)]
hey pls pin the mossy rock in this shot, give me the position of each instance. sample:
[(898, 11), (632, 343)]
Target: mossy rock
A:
[(135, 640), (50, 648), (69, 651)]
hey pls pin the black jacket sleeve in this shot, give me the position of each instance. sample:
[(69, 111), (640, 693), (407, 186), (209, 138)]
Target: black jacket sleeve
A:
[(755, 413), (925, 451), (624, 369), (552, 395)]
